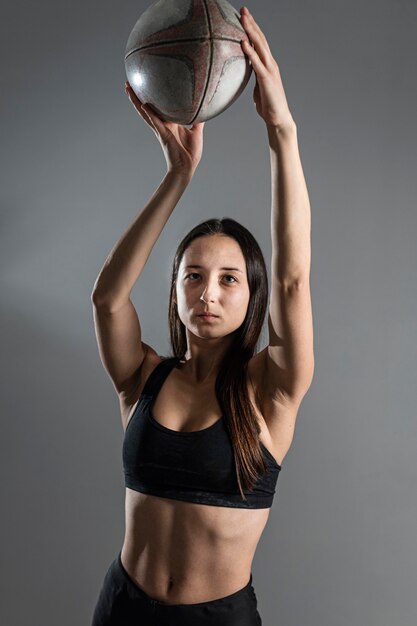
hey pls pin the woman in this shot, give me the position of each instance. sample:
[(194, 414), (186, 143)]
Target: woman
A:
[(206, 429)]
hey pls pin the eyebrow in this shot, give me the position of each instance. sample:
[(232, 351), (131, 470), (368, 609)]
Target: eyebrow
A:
[(229, 269)]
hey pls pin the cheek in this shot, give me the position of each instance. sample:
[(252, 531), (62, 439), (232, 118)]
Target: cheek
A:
[(242, 298), (185, 302), (183, 296)]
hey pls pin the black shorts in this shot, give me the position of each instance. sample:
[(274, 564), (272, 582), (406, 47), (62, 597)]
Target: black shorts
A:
[(122, 603)]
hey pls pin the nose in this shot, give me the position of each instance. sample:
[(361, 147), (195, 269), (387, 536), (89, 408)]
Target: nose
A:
[(208, 294), (203, 297)]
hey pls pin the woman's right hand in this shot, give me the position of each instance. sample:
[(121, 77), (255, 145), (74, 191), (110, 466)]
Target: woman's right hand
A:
[(182, 146)]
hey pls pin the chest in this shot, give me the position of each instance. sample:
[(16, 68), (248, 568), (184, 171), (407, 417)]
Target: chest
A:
[(181, 407)]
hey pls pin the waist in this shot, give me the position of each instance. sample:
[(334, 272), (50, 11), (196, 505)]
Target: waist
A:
[(181, 552)]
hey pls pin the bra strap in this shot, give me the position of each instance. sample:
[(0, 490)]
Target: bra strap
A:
[(158, 375)]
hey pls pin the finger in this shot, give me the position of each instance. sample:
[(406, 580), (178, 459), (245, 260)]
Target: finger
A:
[(130, 92), (257, 37), (161, 128), (133, 98), (156, 121), (260, 43), (148, 119), (254, 27), (142, 109), (257, 64)]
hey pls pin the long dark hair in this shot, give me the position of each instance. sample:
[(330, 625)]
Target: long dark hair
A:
[(231, 382)]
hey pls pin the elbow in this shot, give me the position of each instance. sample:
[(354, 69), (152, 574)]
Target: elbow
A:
[(294, 284), (96, 299), (100, 295), (95, 295), (108, 302), (99, 299)]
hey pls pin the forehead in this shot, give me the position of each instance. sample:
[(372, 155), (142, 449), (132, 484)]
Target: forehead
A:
[(214, 250)]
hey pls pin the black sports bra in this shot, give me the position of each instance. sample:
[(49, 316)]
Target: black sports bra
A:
[(195, 466)]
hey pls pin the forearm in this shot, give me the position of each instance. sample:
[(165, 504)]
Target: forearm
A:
[(127, 259), (290, 210)]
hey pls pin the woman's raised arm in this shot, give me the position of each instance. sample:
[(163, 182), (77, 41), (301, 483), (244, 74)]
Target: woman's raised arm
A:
[(182, 149), (116, 321), (288, 361), (127, 259)]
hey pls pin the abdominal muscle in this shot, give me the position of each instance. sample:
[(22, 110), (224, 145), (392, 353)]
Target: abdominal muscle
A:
[(184, 553)]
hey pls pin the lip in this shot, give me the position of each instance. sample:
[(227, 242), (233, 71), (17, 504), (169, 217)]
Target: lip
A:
[(208, 316)]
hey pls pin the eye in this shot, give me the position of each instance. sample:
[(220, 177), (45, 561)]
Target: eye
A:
[(225, 276)]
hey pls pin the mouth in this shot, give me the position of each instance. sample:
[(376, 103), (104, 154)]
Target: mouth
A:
[(207, 316)]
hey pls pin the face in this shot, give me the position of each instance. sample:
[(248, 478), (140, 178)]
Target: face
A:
[(204, 285)]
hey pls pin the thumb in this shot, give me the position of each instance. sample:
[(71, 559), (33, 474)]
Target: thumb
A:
[(198, 126)]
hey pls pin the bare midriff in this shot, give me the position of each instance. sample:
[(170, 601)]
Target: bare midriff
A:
[(183, 552)]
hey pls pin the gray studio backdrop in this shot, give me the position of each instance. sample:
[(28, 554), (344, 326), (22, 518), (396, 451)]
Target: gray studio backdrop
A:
[(78, 163)]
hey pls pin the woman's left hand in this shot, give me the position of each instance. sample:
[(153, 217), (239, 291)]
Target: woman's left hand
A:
[(268, 94)]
